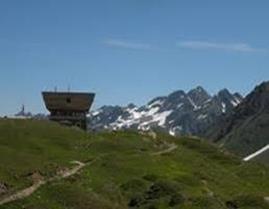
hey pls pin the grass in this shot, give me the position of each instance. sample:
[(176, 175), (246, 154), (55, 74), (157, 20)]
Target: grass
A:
[(125, 173)]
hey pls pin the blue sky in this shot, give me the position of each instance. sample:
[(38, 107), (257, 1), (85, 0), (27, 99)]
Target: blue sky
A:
[(129, 50)]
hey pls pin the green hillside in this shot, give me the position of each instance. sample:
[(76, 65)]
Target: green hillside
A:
[(123, 170)]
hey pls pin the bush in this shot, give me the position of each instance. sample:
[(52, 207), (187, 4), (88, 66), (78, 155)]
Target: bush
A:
[(151, 177), (134, 185), (249, 201), (163, 192), (206, 202), (163, 188)]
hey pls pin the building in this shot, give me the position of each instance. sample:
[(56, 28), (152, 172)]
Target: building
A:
[(69, 108), (22, 114)]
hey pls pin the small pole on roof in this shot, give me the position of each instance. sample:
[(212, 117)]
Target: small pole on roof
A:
[(55, 89), (68, 88), (22, 109)]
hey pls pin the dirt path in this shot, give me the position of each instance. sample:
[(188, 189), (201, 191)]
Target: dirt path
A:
[(61, 175), (69, 172), (171, 148), (30, 190)]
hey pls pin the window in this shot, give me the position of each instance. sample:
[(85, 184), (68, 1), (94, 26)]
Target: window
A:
[(68, 100)]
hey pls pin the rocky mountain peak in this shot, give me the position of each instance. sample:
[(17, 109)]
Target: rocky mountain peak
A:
[(224, 93), (131, 106), (178, 113), (228, 99), (238, 96), (199, 95), (263, 87), (257, 100), (261, 90), (245, 129), (177, 94), (198, 89), (157, 101)]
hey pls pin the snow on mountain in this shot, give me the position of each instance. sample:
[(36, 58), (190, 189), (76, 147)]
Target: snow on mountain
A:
[(178, 113), (257, 153)]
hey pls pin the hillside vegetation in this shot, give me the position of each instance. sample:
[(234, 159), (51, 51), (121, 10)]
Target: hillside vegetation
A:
[(123, 170)]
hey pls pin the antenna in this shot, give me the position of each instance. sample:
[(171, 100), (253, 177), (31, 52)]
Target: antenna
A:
[(55, 89), (68, 88), (22, 109)]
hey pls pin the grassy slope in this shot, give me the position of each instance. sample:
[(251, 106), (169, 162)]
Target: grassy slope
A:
[(195, 175)]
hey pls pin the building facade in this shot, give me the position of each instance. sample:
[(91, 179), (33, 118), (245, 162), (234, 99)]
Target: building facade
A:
[(69, 108)]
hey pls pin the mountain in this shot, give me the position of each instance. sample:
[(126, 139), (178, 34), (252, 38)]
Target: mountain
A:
[(44, 166), (246, 129), (179, 113)]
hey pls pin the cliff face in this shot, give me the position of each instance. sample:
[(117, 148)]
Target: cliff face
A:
[(246, 128)]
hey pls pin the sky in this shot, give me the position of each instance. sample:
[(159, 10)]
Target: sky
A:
[(129, 50)]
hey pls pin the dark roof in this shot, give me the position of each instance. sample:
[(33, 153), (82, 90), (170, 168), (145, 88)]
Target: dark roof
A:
[(73, 101)]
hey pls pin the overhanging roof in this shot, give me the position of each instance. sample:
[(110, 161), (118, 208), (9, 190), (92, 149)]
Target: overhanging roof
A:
[(68, 101)]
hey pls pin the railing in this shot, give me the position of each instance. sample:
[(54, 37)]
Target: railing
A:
[(60, 117)]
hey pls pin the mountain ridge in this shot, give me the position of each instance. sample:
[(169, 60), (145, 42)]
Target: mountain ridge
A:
[(245, 129), (178, 113)]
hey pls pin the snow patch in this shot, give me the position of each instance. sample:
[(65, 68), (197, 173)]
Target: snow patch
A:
[(223, 109), (152, 111), (202, 116), (208, 100), (174, 130), (235, 102), (195, 107), (157, 102), (179, 105), (159, 118), (133, 112), (253, 155), (162, 117), (95, 113)]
